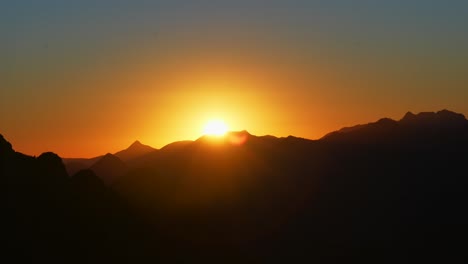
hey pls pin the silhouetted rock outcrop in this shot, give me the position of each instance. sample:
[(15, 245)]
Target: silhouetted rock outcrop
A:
[(51, 164)]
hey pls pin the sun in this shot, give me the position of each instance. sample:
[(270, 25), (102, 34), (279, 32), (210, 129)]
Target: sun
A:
[(215, 128)]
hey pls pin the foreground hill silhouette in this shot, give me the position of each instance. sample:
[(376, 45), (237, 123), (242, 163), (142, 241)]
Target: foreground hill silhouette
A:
[(389, 191), (48, 216)]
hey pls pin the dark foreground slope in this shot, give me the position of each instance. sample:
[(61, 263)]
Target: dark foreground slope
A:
[(48, 217), (388, 191)]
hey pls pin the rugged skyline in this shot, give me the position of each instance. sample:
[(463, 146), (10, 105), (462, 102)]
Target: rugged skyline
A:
[(387, 191), (234, 131), (109, 166), (157, 71)]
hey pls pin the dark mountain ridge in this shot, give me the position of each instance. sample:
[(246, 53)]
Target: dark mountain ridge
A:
[(387, 191), (419, 128), (385, 187)]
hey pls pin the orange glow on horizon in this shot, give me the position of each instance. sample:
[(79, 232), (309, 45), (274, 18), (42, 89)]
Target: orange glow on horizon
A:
[(158, 105)]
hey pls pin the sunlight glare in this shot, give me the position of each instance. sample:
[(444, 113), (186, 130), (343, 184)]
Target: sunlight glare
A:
[(215, 128)]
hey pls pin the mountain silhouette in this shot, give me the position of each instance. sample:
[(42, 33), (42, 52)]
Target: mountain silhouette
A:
[(425, 125), (49, 217), (444, 117), (109, 167), (74, 165), (134, 151), (387, 191), (52, 165), (384, 186)]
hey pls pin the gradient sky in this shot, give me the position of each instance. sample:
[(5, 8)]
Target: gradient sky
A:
[(82, 78)]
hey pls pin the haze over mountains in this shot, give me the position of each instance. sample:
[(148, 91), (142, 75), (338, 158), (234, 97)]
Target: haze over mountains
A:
[(135, 150), (385, 191), (137, 154)]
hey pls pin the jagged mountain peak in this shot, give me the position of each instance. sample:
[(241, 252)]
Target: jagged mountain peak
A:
[(443, 120), (136, 144), (409, 116), (135, 150), (444, 117)]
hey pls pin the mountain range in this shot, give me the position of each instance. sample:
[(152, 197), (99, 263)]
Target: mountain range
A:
[(387, 191), (108, 166)]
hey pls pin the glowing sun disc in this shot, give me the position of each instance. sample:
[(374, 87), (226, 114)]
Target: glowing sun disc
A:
[(215, 128)]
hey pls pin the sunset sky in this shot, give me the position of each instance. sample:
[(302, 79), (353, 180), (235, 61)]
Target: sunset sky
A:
[(83, 78)]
